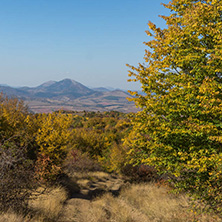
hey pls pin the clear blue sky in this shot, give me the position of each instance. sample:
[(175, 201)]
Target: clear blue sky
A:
[(89, 41)]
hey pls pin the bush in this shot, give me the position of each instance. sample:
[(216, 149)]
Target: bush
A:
[(141, 173), (16, 151), (52, 137), (16, 177), (77, 161)]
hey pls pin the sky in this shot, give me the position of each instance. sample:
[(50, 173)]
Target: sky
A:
[(89, 41)]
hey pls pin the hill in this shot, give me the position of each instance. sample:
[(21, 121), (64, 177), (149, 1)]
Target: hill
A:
[(69, 94)]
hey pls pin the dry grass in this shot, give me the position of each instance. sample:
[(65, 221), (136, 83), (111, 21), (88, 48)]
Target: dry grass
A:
[(142, 202), (12, 217), (50, 203), (47, 207), (90, 175), (103, 209), (159, 205), (156, 203), (115, 210)]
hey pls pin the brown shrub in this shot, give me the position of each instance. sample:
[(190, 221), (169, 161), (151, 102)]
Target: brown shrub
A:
[(78, 162), (141, 173), (16, 177)]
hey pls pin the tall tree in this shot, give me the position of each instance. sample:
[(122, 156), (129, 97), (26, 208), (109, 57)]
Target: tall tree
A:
[(179, 127)]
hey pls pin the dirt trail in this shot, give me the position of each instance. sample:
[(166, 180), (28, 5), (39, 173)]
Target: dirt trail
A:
[(90, 186)]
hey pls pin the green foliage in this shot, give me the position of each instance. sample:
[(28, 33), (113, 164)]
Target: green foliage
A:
[(89, 141), (179, 128), (115, 158)]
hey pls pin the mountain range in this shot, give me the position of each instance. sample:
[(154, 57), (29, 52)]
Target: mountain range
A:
[(68, 94)]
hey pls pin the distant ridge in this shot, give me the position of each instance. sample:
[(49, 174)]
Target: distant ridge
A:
[(4, 85), (51, 89), (70, 95), (101, 89), (46, 84)]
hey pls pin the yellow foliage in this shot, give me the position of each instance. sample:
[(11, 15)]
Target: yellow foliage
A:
[(54, 134), (179, 126)]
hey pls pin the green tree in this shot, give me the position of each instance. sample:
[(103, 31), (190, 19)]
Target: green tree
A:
[(179, 126)]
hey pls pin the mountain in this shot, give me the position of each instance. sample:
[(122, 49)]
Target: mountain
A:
[(64, 89), (46, 84), (4, 85), (70, 95), (101, 89)]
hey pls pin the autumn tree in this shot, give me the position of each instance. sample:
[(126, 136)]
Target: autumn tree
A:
[(52, 137), (13, 114), (179, 127)]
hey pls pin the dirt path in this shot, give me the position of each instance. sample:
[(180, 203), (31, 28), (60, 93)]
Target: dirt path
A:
[(90, 186)]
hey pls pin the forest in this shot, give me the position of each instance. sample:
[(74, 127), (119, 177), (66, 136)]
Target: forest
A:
[(162, 163)]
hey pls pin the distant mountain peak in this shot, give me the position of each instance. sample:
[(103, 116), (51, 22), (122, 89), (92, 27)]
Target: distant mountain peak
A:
[(46, 84), (72, 95), (64, 88), (69, 81)]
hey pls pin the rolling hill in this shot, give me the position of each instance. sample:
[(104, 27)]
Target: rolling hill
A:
[(70, 95)]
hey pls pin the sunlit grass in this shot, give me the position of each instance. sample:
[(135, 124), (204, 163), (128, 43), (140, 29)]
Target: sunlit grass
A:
[(50, 203), (141, 202), (145, 202)]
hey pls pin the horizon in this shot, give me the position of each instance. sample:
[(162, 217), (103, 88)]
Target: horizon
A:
[(89, 42), (90, 87)]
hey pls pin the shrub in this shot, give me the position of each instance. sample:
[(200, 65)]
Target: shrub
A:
[(16, 152), (140, 173), (77, 161), (16, 177), (52, 137)]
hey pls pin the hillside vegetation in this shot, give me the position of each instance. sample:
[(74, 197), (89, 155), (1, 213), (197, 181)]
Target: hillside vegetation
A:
[(53, 169), (163, 163)]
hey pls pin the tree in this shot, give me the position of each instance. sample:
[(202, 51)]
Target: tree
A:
[(52, 137), (13, 113), (179, 127)]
